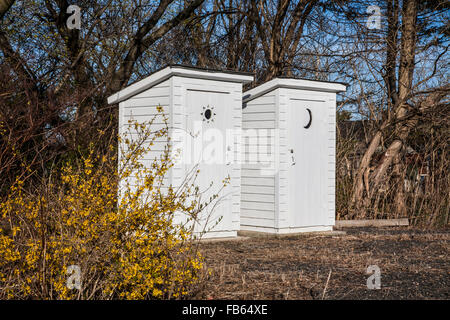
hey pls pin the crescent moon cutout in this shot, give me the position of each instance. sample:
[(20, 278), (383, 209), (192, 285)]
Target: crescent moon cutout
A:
[(310, 119)]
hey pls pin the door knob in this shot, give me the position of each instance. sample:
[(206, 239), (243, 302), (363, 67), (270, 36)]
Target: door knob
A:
[(227, 155)]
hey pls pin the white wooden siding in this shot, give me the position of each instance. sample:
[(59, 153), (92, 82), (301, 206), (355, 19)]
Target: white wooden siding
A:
[(180, 114), (264, 201), (258, 190), (331, 169), (141, 108), (177, 89), (285, 211)]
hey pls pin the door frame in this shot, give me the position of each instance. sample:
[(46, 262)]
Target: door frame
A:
[(213, 86), (304, 96)]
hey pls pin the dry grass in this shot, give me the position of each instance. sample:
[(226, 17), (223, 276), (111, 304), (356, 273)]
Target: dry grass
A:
[(414, 265)]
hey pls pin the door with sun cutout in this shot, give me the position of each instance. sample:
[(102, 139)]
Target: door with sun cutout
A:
[(209, 116)]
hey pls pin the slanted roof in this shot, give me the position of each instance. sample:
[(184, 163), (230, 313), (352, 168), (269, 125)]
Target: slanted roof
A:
[(292, 83), (178, 70)]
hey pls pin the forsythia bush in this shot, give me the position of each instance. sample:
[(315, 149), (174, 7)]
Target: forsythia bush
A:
[(122, 239)]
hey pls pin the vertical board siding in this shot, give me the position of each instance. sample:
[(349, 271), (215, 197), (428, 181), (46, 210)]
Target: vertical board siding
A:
[(331, 169), (283, 220), (236, 170), (179, 115)]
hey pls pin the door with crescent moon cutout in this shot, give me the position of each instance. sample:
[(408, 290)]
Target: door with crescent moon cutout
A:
[(307, 162)]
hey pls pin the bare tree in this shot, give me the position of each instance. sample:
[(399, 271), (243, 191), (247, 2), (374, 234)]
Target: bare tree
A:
[(405, 105), (280, 29), (66, 74)]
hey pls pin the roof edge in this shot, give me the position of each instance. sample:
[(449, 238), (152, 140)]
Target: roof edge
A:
[(178, 70), (291, 83)]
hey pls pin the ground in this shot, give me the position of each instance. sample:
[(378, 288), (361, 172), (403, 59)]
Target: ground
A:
[(414, 264)]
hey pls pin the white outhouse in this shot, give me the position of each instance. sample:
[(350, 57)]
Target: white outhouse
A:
[(288, 142), (204, 109)]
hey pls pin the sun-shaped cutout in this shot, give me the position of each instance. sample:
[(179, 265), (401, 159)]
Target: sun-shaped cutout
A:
[(208, 114)]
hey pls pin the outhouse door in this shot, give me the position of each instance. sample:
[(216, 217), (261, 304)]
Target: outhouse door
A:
[(307, 162), (209, 116)]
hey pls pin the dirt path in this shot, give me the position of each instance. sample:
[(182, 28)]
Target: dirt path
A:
[(414, 264)]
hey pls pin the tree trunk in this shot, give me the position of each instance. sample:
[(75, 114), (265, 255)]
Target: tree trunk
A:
[(399, 182), (398, 99), (406, 70)]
